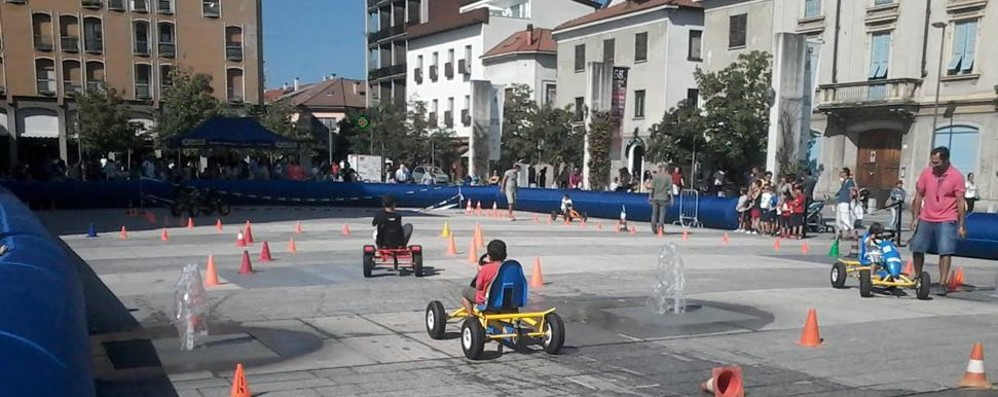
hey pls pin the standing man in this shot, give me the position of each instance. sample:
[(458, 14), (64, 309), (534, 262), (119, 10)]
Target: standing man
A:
[(938, 213), (509, 186), (843, 206), (659, 197)]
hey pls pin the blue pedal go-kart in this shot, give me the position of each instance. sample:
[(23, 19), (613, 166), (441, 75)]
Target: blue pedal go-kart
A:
[(501, 320), (888, 275)]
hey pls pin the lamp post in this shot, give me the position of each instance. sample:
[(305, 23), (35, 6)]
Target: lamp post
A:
[(939, 73)]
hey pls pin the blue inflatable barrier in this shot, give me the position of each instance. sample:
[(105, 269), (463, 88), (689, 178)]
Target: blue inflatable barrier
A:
[(43, 333)]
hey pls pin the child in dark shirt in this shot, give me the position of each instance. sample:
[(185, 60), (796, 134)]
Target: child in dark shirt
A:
[(390, 232)]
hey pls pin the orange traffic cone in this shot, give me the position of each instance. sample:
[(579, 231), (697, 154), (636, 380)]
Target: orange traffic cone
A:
[(211, 274), (804, 249), (958, 277), (346, 229), (909, 268), (468, 210), (686, 235), (537, 279), (481, 238), (298, 228), (218, 224), (725, 239), (240, 240), (661, 231), (451, 248), (248, 233), (535, 218), (165, 236), (473, 252), (265, 253), (725, 382), (478, 209), (974, 377), (810, 337), (634, 229), (190, 223), (291, 246), (495, 209), (776, 244), (124, 234), (246, 267), (239, 386)]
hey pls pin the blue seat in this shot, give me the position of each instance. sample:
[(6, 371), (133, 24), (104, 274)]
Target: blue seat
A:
[(508, 291)]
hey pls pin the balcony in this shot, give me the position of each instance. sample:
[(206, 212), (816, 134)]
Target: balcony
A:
[(140, 6), (116, 5), (94, 46), (211, 9), (142, 92), (70, 44), (379, 35), (873, 93), (141, 48), (95, 85), (234, 52), (449, 70), (449, 119), (92, 4), (71, 89), (463, 67), (466, 117), (167, 50), (390, 71), (43, 43), (46, 87), (433, 73), (165, 7), (417, 73)]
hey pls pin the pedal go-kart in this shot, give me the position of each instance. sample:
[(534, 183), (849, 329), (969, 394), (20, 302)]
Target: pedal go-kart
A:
[(501, 320), (411, 257), (571, 215), (888, 275)]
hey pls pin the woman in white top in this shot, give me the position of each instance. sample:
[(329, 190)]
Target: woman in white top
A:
[(971, 195)]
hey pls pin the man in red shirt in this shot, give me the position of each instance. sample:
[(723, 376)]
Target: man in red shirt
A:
[(938, 213), (797, 205), (487, 272)]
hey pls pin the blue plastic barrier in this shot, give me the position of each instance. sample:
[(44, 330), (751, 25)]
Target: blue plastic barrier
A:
[(43, 332)]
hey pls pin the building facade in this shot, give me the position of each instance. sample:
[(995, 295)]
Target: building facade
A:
[(656, 42), (386, 26), (53, 50), (528, 57), (891, 80)]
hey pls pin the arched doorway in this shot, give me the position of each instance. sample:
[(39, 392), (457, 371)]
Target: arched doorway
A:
[(636, 159)]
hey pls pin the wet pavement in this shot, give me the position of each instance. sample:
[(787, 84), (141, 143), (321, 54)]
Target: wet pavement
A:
[(309, 324)]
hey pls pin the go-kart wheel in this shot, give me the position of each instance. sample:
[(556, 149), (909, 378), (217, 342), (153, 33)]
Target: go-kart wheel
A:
[(417, 264), (865, 284), (472, 338), (838, 275), (554, 333), (368, 263), (554, 215), (923, 285), (436, 320)]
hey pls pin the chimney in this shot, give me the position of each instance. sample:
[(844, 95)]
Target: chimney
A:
[(296, 84), (530, 33), (284, 87)]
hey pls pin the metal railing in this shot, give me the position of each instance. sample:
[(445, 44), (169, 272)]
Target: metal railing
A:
[(46, 86), (167, 50), (70, 88), (689, 208), (141, 48), (70, 44), (211, 9), (43, 42), (142, 91), (94, 46), (165, 6), (117, 5), (872, 92), (140, 5), (234, 52)]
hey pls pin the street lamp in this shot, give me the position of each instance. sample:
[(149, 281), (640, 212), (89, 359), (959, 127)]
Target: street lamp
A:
[(939, 74)]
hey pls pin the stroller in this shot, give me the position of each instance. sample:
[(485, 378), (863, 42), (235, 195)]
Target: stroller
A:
[(814, 221)]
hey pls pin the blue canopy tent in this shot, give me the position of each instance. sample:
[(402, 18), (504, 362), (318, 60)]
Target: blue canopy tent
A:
[(233, 132)]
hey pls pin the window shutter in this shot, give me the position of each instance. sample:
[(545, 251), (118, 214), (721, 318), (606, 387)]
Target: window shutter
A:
[(970, 46), (959, 43)]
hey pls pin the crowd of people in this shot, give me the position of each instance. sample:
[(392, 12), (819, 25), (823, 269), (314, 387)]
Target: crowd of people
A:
[(777, 208)]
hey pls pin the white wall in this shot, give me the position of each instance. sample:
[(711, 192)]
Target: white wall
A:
[(459, 85), (532, 70)]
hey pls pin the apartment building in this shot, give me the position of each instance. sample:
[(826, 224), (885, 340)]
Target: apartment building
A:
[(528, 57), (635, 58), (892, 80), (53, 50), (386, 26)]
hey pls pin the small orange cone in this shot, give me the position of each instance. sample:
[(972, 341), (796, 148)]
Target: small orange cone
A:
[(124, 234), (661, 231), (481, 238), (473, 252), (240, 240), (776, 244), (537, 279), (958, 277), (346, 229), (468, 211), (239, 386), (804, 249), (211, 274), (190, 223), (810, 336), (265, 253), (909, 268), (686, 235), (298, 228), (246, 267), (291, 246), (248, 233), (478, 210), (725, 382), (218, 224), (599, 225), (535, 219), (451, 248), (975, 377), (634, 229), (725, 238), (165, 236)]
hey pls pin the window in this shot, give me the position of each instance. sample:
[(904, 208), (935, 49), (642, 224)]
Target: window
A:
[(639, 104), (580, 57), (608, 51), (211, 8), (580, 103), (71, 78), (164, 6), (964, 48), (45, 76), (882, 2), (93, 35), (737, 25), (550, 93), (234, 85), (234, 43), (116, 5), (69, 32), (641, 47), (143, 75), (692, 97), (165, 77), (141, 46), (812, 8), (963, 140), (449, 67), (95, 75), (167, 45), (140, 5), (880, 51), (696, 40), (92, 4), (41, 25)]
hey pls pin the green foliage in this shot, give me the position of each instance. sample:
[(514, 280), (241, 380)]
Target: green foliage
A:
[(537, 134), (600, 128), (731, 128), (400, 135), (103, 123), (186, 103)]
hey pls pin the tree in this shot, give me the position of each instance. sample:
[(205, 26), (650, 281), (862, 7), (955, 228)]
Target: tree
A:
[(103, 123), (400, 135), (519, 138), (558, 141), (674, 138), (186, 102), (600, 127)]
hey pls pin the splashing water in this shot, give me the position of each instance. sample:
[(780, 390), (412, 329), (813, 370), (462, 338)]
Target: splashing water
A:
[(191, 304), (668, 295)]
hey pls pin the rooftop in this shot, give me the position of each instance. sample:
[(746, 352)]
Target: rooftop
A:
[(532, 40), (623, 8)]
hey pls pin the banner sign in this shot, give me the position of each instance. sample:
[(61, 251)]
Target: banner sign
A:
[(618, 94)]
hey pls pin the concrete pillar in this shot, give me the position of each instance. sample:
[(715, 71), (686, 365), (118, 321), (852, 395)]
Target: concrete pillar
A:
[(63, 122)]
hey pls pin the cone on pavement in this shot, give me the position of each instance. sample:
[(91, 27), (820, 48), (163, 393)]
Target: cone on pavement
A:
[(810, 337), (480, 238), (599, 225), (246, 267), (478, 209), (190, 223), (292, 248), (248, 233), (468, 210), (265, 253), (239, 386), (726, 239), (634, 229), (240, 240), (346, 229), (834, 251), (298, 228), (776, 244), (686, 235), (451, 247), (218, 224), (958, 276), (446, 230), (804, 249), (725, 382), (975, 377), (535, 218), (909, 268), (473, 252), (124, 234), (661, 231), (537, 278), (211, 274), (165, 236)]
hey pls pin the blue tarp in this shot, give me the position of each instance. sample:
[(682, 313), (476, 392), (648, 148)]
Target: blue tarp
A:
[(234, 132)]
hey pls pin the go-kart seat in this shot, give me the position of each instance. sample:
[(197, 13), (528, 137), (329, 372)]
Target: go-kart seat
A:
[(508, 290)]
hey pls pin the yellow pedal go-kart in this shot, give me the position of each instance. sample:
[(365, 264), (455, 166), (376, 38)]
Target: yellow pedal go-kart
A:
[(501, 320), (888, 274)]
